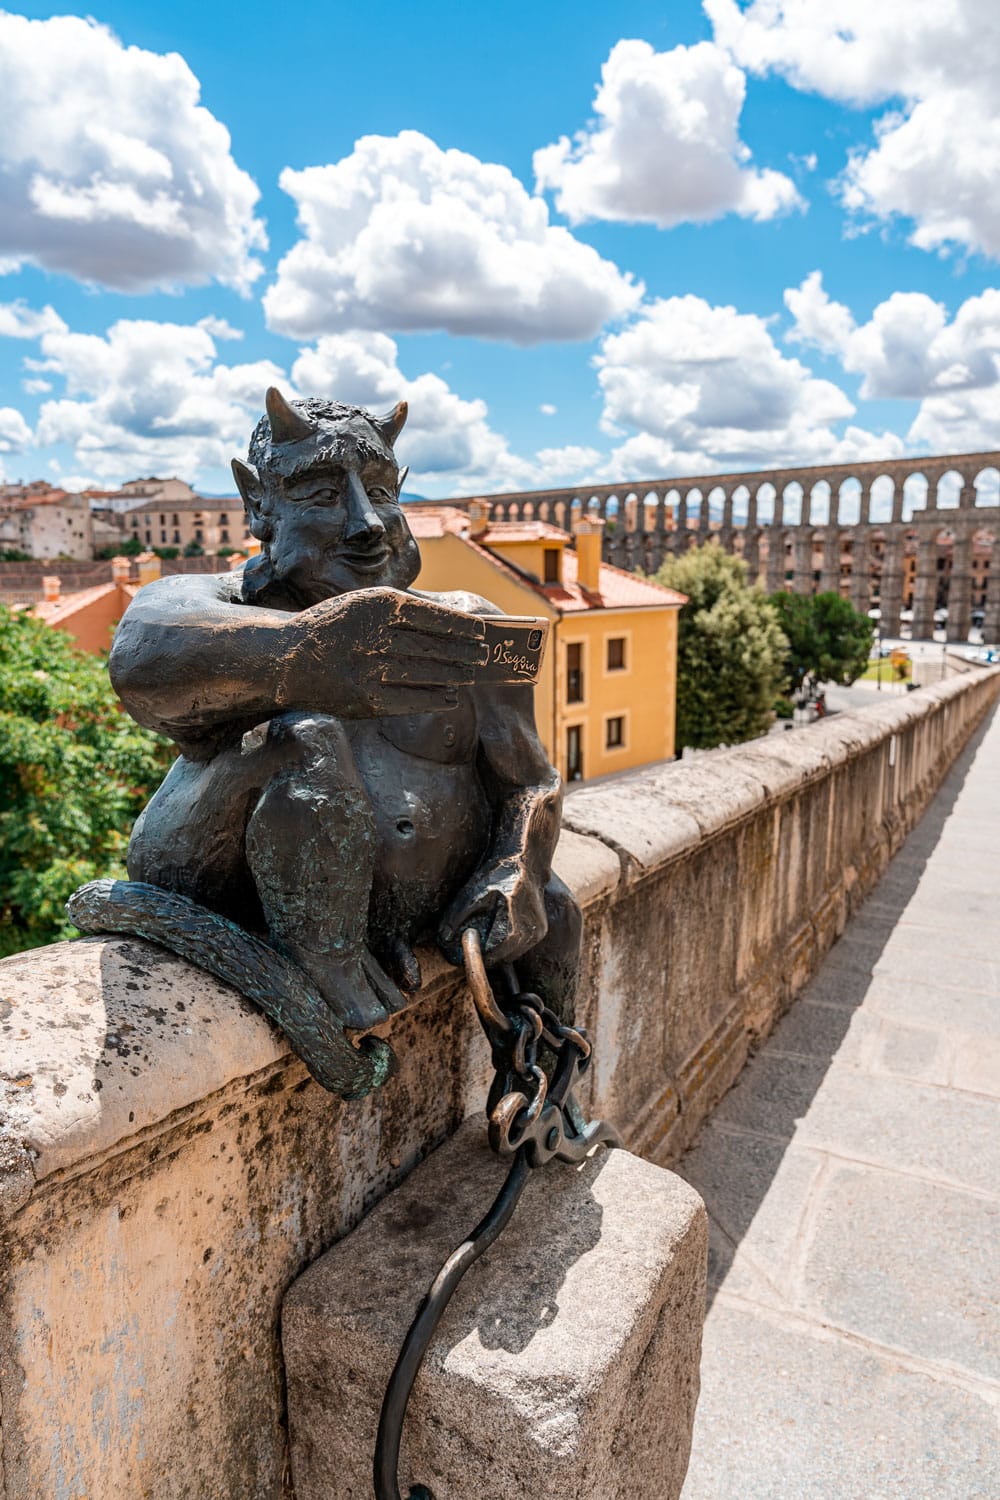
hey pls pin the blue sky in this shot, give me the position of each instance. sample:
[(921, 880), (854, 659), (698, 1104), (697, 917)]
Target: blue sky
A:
[(770, 238)]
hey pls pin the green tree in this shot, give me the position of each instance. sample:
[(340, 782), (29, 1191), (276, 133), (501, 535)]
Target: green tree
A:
[(828, 640), (74, 774), (194, 549), (730, 649), (127, 547)]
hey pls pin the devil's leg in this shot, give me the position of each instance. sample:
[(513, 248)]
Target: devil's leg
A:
[(310, 845), (278, 835)]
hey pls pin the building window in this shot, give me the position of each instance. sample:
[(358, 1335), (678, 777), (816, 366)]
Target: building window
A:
[(223, 518), (574, 753), (163, 538), (614, 733), (551, 556), (177, 537), (199, 535), (176, 521), (574, 673), (224, 534), (616, 654), (149, 538), (163, 520), (135, 523)]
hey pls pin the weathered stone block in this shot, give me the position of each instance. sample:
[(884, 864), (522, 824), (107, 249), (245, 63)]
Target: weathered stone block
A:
[(567, 1364)]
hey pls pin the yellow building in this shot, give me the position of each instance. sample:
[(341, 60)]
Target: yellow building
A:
[(605, 700)]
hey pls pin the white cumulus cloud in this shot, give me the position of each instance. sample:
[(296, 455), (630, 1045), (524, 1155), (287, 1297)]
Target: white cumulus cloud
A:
[(935, 158), (447, 441), (664, 147), (19, 321), (910, 349), (15, 434), (968, 422), (402, 235), (110, 169), (149, 397), (705, 387)]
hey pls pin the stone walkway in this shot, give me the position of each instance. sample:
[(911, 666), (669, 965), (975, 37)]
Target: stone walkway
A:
[(852, 1178)]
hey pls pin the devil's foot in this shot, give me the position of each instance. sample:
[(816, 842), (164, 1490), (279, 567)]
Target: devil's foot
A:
[(356, 988), (404, 966)]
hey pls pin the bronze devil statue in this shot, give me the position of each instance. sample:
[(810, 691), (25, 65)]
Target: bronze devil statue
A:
[(357, 774)]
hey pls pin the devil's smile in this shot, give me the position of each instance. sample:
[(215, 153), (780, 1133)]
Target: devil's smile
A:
[(365, 559)]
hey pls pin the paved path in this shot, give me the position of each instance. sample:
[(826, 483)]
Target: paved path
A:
[(852, 1177)]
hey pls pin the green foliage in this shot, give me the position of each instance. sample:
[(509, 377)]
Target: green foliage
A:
[(828, 640), (127, 547), (194, 549), (168, 552), (729, 650), (74, 774), (14, 554)]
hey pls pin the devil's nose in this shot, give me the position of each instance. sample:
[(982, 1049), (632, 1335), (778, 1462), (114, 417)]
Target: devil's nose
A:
[(362, 518), (360, 527)]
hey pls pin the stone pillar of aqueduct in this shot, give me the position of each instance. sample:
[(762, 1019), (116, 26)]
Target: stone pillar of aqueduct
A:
[(896, 535)]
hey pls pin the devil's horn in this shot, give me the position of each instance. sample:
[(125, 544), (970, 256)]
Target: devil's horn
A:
[(287, 425), (391, 425)]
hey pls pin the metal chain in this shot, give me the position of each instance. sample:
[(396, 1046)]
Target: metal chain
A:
[(533, 1119)]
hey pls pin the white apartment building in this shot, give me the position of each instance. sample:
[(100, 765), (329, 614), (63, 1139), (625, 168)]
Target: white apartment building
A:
[(45, 522)]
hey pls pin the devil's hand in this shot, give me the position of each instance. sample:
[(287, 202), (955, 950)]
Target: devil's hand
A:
[(504, 906), (380, 651)]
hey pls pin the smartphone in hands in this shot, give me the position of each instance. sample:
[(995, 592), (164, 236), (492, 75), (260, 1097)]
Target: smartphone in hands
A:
[(515, 646)]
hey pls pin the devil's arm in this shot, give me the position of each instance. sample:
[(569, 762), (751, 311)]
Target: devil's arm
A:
[(505, 897), (526, 790), (188, 658)]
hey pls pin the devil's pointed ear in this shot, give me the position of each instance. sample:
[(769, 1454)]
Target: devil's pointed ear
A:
[(247, 483), (287, 425), (401, 480), (391, 425)]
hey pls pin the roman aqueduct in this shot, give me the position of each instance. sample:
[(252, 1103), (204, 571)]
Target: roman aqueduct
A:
[(902, 535)]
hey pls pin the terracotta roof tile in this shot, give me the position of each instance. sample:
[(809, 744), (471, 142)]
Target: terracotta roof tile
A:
[(522, 531), (67, 604), (160, 503), (618, 589), (31, 502)]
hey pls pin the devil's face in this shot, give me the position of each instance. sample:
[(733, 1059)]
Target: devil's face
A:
[(328, 514)]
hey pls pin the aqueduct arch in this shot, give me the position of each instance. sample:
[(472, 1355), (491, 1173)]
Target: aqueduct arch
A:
[(891, 534)]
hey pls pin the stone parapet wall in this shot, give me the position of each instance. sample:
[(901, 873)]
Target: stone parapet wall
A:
[(737, 872), (167, 1169)]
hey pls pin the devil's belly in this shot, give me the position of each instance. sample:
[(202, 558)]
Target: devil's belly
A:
[(433, 821)]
